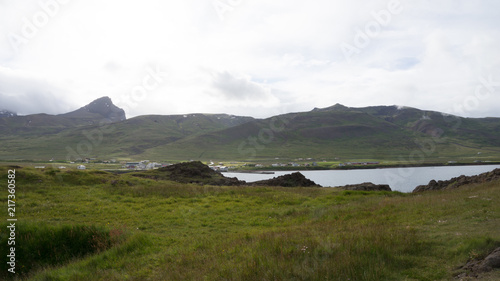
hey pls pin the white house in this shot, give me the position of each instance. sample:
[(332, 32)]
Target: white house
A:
[(153, 165), (219, 168)]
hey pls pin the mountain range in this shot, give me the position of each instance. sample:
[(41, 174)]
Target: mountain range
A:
[(101, 130)]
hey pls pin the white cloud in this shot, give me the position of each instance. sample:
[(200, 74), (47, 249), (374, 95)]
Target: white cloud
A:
[(266, 57)]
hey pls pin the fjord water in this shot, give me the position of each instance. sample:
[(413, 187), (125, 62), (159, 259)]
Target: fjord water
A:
[(399, 179)]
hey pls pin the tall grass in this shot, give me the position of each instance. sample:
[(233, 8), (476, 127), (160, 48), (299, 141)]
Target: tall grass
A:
[(194, 232), (41, 245), (310, 252)]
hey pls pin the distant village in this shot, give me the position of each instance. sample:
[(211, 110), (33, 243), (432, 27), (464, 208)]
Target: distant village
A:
[(144, 165)]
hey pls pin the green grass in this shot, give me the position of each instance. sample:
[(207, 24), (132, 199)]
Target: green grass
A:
[(175, 231), (40, 245)]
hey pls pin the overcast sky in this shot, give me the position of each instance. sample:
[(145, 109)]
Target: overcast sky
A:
[(250, 57)]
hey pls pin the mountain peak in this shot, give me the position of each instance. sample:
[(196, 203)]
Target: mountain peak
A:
[(7, 113), (101, 108), (339, 106), (335, 107), (99, 105)]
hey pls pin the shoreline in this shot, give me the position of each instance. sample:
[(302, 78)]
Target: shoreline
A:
[(272, 170), (268, 170)]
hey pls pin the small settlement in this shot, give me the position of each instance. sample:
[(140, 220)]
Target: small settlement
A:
[(144, 165)]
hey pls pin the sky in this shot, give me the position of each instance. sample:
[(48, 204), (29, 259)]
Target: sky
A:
[(250, 57)]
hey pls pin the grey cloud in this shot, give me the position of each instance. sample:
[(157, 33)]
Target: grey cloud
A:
[(239, 88), (26, 94)]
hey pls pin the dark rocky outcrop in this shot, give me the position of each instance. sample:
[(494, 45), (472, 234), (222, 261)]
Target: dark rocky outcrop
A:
[(459, 181), (476, 267), (367, 186), (197, 172), (190, 172), (291, 180)]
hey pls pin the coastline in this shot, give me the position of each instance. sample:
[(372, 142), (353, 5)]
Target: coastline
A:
[(270, 169)]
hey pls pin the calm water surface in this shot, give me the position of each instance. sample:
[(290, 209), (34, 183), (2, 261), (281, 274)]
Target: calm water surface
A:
[(400, 179)]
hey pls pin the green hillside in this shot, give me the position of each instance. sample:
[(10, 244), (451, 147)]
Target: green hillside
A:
[(308, 135), (336, 133), (384, 132), (127, 138)]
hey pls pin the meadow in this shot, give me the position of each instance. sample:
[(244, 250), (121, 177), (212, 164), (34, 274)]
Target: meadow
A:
[(95, 225)]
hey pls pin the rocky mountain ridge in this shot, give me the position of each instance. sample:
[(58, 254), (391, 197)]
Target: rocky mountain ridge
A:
[(102, 108), (7, 113)]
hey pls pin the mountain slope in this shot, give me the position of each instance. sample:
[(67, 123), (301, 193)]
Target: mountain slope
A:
[(310, 134), (127, 138), (378, 132), (134, 136), (474, 131), (99, 111)]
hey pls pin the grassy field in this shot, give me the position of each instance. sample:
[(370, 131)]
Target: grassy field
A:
[(129, 228)]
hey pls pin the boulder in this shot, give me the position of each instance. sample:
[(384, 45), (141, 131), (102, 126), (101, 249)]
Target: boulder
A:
[(476, 267), (367, 186)]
